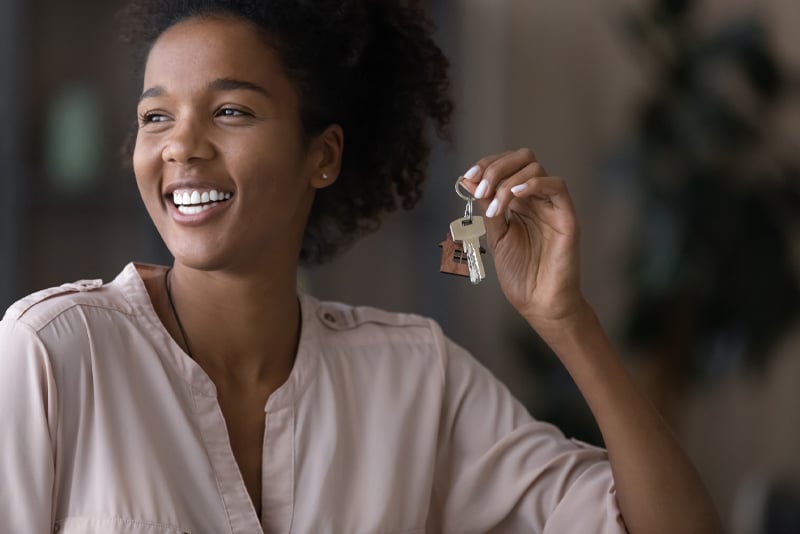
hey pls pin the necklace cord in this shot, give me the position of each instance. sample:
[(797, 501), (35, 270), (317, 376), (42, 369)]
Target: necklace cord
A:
[(167, 286)]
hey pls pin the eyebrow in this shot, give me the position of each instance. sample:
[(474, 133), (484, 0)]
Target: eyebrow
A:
[(230, 84), (220, 84)]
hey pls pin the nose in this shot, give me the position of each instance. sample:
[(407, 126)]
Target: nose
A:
[(187, 142)]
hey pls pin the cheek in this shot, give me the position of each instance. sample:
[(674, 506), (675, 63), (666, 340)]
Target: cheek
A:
[(272, 171), (285, 184), (144, 163), (146, 169)]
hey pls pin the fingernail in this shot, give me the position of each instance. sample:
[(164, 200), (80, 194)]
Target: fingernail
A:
[(518, 188), (470, 174), (481, 190), (491, 211)]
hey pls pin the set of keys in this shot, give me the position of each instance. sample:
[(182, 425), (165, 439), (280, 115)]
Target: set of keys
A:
[(461, 251)]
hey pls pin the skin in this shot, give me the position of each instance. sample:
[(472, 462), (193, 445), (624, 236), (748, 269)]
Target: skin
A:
[(239, 267)]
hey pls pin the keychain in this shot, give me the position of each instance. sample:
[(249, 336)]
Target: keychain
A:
[(461, 251)]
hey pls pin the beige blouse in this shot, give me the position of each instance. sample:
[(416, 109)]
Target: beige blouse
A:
[(384, 426)]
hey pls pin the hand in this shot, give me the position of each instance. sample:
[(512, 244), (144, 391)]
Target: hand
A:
[(532, 232)]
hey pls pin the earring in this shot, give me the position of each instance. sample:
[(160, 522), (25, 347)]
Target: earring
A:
[(324, 176)]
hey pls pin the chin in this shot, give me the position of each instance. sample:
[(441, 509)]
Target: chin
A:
[(198, 258)]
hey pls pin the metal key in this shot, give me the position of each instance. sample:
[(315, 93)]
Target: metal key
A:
[(468, 231)]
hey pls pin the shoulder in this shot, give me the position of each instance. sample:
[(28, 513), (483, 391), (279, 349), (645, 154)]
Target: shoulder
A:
[(37, 310), (401, 342), (369, 324)]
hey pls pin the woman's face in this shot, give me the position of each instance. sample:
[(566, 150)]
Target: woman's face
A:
[(220, 160)]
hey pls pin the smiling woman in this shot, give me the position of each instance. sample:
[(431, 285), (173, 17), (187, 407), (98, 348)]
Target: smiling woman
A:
[(219, 114), (212, 396)]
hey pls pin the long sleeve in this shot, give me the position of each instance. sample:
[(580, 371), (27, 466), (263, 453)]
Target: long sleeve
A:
[(501, 471), (28, 408)]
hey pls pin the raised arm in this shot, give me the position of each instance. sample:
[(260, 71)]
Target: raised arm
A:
[(533, 234)]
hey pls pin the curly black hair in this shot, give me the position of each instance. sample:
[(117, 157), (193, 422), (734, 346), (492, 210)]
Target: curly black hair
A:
[(370, 66)]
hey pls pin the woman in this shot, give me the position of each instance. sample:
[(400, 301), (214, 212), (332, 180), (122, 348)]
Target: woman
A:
[(211, 397)]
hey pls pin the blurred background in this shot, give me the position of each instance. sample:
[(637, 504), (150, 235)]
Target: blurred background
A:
[(675, 123)]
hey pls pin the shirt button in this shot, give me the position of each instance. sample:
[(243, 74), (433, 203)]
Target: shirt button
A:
[(84, 285)]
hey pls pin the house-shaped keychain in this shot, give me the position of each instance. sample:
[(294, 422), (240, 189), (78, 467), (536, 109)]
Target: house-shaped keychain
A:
[(454, 259)]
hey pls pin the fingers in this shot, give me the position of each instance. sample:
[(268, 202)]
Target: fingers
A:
[(529, 182), (498, 179), (550, 190), (515, 182), (474, 176), (489, 172)]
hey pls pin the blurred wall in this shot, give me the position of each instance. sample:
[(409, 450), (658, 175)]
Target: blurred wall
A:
[(10, 164), (76, 208)]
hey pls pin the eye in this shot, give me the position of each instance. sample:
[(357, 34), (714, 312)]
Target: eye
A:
[(150, 117), (232, 112)]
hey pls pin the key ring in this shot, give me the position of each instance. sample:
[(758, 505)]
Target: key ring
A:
[(462, 192)]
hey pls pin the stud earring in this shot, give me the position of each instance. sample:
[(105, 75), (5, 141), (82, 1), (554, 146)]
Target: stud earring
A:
[(324, 176)]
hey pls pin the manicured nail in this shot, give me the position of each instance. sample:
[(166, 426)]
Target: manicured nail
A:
[(517, 189), (491, 211), (470, 174), (482, 188)]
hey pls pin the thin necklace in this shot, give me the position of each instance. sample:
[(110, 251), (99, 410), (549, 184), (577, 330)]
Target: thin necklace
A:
[(175, 313)]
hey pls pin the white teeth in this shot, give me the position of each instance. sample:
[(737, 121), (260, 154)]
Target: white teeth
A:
[(194, 210), (190, 210), (197, 198)]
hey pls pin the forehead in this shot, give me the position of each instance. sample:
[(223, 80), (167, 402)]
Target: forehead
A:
[(206, 48)]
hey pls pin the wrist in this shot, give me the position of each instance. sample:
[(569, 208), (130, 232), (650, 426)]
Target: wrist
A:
[(566, 328)]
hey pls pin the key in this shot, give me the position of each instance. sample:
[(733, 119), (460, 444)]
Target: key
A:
[(469, 233)]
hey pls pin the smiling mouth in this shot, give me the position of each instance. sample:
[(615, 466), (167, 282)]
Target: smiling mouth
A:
[(194, 201)]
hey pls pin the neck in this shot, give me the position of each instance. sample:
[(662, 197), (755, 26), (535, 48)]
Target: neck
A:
[(241, 329)]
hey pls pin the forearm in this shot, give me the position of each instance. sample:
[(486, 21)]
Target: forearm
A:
[(658, 489)]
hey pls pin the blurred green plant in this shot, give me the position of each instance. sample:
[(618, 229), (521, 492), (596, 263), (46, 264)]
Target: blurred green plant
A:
[(714, 284)]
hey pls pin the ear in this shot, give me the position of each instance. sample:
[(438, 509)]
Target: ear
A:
[(326, 160)]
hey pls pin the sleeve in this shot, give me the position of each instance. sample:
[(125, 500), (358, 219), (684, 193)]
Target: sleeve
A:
[(501, 471), (28, 407)]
